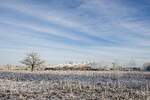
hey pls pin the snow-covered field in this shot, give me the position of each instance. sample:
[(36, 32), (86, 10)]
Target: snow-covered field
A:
[(74, 85)]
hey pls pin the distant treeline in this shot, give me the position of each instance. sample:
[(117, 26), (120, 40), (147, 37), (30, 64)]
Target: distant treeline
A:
[(91, 68)]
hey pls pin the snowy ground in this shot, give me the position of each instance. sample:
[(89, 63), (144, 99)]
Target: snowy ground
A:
[(74, 85)]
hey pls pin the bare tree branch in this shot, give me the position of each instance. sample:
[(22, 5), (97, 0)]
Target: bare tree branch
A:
[(33, 60)]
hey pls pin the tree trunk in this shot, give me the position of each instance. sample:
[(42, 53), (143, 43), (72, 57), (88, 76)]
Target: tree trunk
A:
[(32, 67)]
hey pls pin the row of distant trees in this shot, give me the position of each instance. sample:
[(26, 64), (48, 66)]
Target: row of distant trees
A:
[(33, 60)]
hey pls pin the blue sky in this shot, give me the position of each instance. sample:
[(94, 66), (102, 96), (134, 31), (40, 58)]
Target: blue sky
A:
[(75, 30)]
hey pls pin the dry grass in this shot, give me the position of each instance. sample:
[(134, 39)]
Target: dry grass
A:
[(74, 85)]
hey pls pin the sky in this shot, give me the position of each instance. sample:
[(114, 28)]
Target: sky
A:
[(75, 30)]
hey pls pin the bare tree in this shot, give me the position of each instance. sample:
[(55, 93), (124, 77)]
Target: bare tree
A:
[(32, 60)]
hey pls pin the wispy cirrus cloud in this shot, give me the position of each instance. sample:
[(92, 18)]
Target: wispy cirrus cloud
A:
[(77, 29)]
